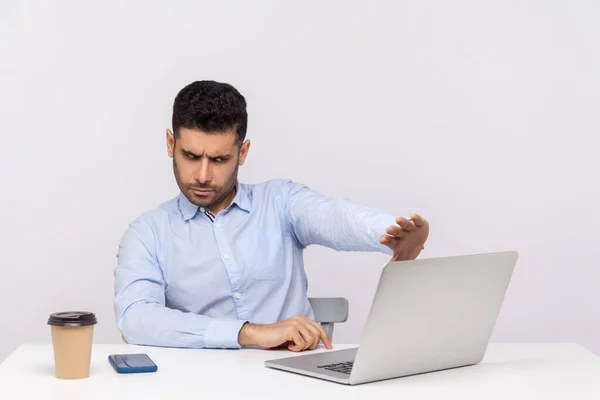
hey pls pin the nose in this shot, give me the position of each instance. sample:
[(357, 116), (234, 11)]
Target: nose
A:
[(203, 174)]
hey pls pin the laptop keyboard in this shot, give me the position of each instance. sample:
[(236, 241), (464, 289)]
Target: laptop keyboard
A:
[(343, 367)]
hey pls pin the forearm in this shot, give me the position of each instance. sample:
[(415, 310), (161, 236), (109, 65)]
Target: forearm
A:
[(247, 335), (348, 226), (336, 222), (156, 325), (254, 334)]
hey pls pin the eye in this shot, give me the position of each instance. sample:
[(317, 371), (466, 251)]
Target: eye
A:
[(191, 156), (219, 160)]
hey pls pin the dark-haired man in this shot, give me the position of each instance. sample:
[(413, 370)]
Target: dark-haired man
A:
[(220, 265)]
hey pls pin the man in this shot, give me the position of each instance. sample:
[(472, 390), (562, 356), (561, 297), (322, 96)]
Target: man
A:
[(220, 265)]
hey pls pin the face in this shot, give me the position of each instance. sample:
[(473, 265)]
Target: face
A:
[(206, 166)]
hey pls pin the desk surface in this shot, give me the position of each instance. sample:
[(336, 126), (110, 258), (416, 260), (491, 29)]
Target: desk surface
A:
[(531, 371)]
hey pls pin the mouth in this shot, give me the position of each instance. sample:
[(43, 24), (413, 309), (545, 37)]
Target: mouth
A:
[(202, 192)]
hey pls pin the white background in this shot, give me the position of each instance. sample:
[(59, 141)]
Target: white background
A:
[(482, 117)]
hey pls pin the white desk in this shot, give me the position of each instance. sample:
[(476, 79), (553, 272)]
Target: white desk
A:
[(509, 371)]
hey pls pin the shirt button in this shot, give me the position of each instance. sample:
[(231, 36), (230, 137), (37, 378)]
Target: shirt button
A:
[(201, 209), (218, 225), (226, 256), (223, 347), (238, 296)]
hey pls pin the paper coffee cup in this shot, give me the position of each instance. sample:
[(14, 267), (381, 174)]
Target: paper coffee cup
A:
[(72, 333)]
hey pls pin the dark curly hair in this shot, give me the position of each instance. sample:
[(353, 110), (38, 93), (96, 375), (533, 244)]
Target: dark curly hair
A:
[(212, 107)]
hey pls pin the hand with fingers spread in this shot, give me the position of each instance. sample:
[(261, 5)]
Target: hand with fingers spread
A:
[(407, 238), (297, 334)]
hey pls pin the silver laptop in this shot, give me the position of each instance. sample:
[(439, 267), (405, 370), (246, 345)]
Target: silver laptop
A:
[(427, 315)]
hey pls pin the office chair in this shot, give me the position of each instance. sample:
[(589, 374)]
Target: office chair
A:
[(328, 311)]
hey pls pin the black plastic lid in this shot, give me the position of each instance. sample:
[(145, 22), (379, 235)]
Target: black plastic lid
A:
[(72, 318)]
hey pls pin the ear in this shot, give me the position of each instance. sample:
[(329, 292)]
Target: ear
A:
[(244, 148), (170, 143)]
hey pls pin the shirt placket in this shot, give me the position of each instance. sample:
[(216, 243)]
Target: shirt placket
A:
[(231, 266)]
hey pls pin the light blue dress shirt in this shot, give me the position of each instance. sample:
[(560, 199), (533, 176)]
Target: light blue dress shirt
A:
[(184, 281)]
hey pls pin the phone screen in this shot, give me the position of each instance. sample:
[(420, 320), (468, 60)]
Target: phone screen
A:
[(133, 360)]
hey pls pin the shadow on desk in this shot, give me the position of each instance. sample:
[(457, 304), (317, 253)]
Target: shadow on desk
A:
[(466, 374), (44, 370), (469, 373)]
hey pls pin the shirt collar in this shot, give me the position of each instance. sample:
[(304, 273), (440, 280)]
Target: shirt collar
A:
[(241, 199), (188, 210)]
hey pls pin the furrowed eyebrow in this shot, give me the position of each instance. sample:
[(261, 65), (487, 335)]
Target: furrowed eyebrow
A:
[(223, 156), (190, 153)]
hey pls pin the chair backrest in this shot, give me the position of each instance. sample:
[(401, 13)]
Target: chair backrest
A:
[(329, 310)]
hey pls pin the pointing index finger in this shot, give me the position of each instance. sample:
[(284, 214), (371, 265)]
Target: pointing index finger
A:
[(324, 336)]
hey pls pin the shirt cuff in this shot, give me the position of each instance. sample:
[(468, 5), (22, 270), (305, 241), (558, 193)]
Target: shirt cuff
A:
[(223, 333)]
